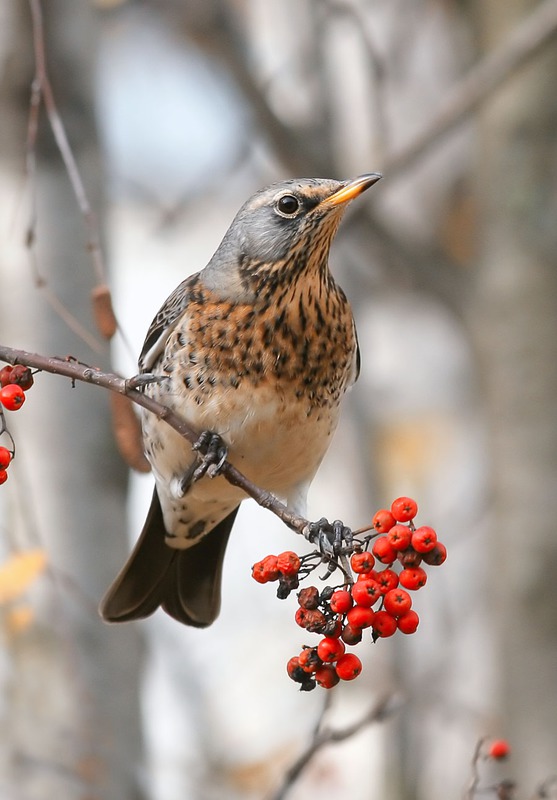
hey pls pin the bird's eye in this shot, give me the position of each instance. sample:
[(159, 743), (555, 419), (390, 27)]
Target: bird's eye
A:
[(287, 205)]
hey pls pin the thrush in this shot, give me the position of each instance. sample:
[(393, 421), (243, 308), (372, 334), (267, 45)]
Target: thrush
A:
[(259, 348)]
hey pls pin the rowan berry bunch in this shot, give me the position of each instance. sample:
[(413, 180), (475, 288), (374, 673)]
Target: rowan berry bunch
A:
[(385, 567), (14, 382)]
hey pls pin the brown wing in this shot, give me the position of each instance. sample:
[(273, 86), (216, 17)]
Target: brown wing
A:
[(166, 320)]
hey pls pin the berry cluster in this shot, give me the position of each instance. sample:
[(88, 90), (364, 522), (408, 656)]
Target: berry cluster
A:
[(371, 598), (14, 382)]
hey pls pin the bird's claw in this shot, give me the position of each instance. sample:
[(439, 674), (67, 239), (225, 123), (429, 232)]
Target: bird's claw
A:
[(333, 539), (212, 452), (144, 379)]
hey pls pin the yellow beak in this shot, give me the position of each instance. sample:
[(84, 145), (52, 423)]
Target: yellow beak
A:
[(352, 189)]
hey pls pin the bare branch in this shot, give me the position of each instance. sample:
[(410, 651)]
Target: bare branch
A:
[(324, 736), (524, 43), (42, 89), (475, 775), (77, 371)]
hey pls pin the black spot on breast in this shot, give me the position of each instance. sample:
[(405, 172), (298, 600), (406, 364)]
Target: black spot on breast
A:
[(197, 529)]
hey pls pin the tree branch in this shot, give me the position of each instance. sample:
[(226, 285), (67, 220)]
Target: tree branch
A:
[(76, 371), (324, 736), (523, 43)]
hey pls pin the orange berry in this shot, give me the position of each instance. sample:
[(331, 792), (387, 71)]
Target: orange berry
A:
[(326, 676), (341, 601), (288, 562), (330, 649), (424, 539), (362, 562), (383, 550), (400, 537), (408, 623), (5, 457), (383, 520), (397, 602), (404, 509), (499, 748), (384, 625), (348, 667), (12, 396), (413, 578)]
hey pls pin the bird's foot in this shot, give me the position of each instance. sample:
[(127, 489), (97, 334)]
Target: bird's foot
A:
[(333, 539), (212, 452), (144, 379)]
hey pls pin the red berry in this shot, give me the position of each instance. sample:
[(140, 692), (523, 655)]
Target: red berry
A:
[(437, 556), (424, 539), (362, 562), (366, 576), (5, 457), (499, 748), (5, 375), (334, 628), (351, 635), (383, 520), (22, 376), (312, 620), (387, 579), (309, 660), (3, 476), (12, 396), (397, 602), (309, 597), (408, 623), (288, 563), (383, 550), (295, 671), (404, 509), (348, 667), (384, 625), (400, 536), (341, 601), (330, 649), (360, 617), (265, 570), (413, 578), (366, 593), (326, 676)]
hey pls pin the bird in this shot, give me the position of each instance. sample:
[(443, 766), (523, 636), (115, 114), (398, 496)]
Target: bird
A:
[(256, 350)]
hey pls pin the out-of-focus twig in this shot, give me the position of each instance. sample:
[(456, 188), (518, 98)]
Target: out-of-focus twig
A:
[(324, 736), (475, 774), (42, 90), (525, 41)]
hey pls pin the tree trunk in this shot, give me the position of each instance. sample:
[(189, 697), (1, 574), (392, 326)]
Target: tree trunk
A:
[(515, 323), (71, 711)]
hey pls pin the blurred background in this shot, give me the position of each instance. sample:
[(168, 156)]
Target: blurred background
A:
[(176, 112)]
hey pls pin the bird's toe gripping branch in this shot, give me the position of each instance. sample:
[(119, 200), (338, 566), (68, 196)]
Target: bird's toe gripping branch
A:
[(144, 379), (333, 539), (212, 452)]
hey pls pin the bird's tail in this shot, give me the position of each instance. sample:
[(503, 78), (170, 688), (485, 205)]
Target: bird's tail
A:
[(186, 583)]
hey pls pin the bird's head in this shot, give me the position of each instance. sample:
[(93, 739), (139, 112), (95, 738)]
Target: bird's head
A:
[(282, 230)]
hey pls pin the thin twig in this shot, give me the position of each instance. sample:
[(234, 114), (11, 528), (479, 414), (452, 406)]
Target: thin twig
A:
[(324, 736), (42, 85), (41, 92), (77, 371), (475, 774), (525, 41)]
